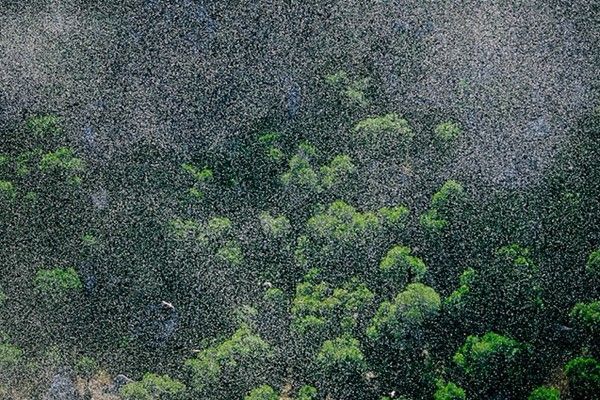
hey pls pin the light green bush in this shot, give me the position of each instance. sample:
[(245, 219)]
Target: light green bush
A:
[(153, 387)]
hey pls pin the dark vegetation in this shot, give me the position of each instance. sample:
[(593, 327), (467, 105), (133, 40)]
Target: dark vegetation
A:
[(324, 252)]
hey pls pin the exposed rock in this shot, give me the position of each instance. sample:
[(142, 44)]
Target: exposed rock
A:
[(62, 388)]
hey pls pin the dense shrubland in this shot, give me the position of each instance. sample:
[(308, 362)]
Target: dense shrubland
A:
[(295, 282), (330, 251)]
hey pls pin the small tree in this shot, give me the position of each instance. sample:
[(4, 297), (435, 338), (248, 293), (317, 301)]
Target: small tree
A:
[(235, 365), (320, 312), (544, 393), (449, 391), (86, 367), (340, 364), (593, 264), (58, 281), (340, 235), (447, 131), (399, 267), (307, 392), (406, 316), (274, 227), (491, 362), (583, 375), (446, 204), (587, 317), (264, 392), (44, 125), (383, 135), (9, 355), (153, 387)]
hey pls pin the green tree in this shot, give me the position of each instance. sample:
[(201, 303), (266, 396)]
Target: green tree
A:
[(235, 365), (341, 241), (275, 227), (593, 266), (544, 393), (383, 135), (399, 267), (516, 291), (340, 365), (44, 125), (307, 392), (9, 355), (406, 316), (446, 204), (587, 317), (449, 391), (303, 171), (58, 281), (447, 131), (491, 362), (583, 375), (264, 392), (319, 311), (153, 387)]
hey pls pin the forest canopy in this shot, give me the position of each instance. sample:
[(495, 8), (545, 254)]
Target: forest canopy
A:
[(200, 233)]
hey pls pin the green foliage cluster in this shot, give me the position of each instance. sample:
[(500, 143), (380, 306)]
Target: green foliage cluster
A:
[(86, 367), (406, 314), (458, 297), (340, 366), (275, 227), (270, 142), (353, 91), (593, 264), (445, 203), (449, 391), (57, 281), (544, 393), (341, 356), (399, 267), (491, 361), (378, 127), (448, 131), (153, 387), (385, 134), (243, 358), (44, 125), (317, 309), (214, 231), (202, 177), (342, 223), (7, 190), (303, 174), (307, 392), (587, 316), (264, 392), (288, 263), (583, 374), (61, 159), (10, 355)]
